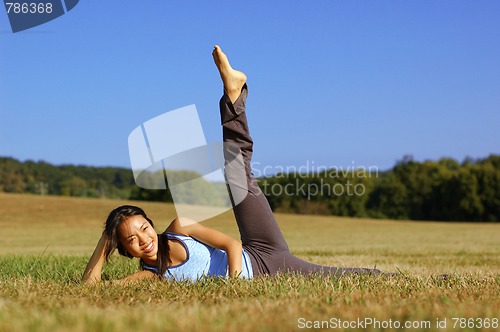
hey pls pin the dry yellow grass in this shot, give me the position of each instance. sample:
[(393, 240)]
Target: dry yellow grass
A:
[(62, 225), (46, 241)]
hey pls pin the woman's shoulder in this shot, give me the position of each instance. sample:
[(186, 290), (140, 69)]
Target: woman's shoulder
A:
[(174, 235), (175, 227), (181, 225)]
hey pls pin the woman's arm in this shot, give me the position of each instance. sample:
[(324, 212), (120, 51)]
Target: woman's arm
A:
[(213, 238), (93, 270)]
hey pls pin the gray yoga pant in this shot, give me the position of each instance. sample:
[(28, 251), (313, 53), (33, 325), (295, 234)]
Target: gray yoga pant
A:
[(260, 234)]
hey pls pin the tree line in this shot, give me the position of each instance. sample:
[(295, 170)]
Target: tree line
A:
[(444, 190), (66, 180)]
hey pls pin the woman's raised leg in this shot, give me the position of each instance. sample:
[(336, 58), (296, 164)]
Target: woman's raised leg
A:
[(260, 233)]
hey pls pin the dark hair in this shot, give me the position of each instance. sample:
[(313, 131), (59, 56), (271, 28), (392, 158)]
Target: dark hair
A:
[(119, 215)]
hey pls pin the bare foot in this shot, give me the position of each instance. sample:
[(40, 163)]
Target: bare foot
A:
[(233, 80)]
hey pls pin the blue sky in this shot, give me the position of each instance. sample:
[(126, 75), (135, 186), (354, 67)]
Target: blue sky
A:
[(332, 83)]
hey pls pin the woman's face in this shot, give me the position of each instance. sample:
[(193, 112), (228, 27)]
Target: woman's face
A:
[(139, 238)]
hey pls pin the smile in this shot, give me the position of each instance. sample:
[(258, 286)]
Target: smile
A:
[(149, 248)]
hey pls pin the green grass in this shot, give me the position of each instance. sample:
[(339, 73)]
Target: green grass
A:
[(45, 243)]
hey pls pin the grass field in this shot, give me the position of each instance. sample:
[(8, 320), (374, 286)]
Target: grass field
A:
[(45, 243)]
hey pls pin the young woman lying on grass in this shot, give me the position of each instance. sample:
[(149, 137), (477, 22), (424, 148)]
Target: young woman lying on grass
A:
[(192, 251)]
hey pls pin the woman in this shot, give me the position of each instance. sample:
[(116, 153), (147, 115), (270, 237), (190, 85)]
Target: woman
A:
[(192, 251)]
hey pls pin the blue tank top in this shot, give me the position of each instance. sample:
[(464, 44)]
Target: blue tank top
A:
[(202, 260)]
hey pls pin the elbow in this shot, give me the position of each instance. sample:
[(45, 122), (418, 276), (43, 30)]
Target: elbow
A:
[(89, 281), (89, 277), (234, 246)]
